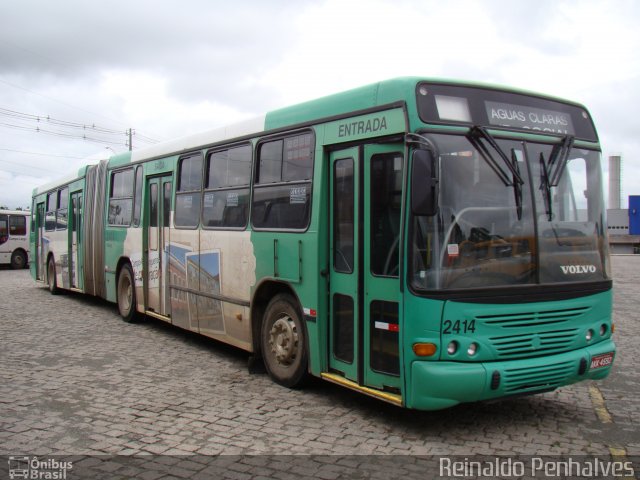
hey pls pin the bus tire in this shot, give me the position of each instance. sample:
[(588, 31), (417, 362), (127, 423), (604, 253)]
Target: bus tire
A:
[(127, 294), (284, 343), (52, 281), (18, 260)]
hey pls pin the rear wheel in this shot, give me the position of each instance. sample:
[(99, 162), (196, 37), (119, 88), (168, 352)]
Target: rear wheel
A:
[(126, 294), (51, 277), (284, 343), (18, 260)]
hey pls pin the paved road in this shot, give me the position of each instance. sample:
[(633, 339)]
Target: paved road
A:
[(75, 379)]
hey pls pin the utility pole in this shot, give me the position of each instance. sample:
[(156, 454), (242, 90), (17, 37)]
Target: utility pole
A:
[(130, 143)]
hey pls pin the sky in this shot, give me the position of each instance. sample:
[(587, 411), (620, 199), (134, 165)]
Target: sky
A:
[(74, 73)]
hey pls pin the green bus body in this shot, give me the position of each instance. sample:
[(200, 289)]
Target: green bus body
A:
[(313, 238)]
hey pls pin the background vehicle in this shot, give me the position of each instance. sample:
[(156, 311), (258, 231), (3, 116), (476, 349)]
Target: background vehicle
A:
[(423, 242), (14, 238)]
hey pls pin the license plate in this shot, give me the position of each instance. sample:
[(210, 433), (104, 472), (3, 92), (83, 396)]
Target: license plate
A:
[(603, 360)]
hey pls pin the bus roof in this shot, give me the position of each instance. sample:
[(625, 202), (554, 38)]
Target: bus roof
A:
[(4, 211), (189, 142), (362, 98)]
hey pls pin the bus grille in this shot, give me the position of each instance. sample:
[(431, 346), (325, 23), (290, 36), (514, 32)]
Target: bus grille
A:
[(547, 377), (534, 333)]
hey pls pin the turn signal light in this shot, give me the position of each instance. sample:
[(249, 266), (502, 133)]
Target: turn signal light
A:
[(424, 349), (613, 328)]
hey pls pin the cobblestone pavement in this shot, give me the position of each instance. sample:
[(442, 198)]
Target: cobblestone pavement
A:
[(77, 380)]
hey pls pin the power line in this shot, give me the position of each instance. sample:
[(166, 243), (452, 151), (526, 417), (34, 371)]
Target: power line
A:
[(62, 103), (55, 100), (31, 122), (62, 123), (144, 138), (93, 128), (61, 134)]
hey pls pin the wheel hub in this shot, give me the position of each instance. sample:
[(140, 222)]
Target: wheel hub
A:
[(125, 294), (283, 339)]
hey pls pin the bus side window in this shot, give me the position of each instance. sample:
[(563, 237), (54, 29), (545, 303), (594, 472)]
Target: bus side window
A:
[(386, 181), (153, 209), (282, 191), (33, 216), (62, 210), (50, 219), (166, 205), (17, 225), (189, 191), (121, 198), (76, 214), (137, 198), (226, 198)]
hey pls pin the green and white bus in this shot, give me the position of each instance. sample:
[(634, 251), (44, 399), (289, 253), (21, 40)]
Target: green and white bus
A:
[(425, 242), (14, 238)]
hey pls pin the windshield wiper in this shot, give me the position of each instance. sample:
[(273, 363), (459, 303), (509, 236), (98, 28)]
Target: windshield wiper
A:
[(551, 171), (474, 136), (480, 132), (545, 186), (558, 159), (517, 185)]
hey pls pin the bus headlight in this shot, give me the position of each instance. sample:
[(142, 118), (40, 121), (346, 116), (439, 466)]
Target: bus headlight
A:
[(473, 348), (603, 329), (452, 347), (589, 335)]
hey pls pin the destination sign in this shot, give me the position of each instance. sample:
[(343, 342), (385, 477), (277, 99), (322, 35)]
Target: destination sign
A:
[(448, 104), (529, 118)]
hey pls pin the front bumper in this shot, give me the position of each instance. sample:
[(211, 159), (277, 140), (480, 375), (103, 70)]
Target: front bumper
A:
[(437, 385)]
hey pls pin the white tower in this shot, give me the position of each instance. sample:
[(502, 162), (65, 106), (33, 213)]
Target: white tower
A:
[(615, 167)]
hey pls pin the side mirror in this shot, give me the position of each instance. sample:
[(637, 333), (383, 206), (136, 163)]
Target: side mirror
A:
[(424, 184)]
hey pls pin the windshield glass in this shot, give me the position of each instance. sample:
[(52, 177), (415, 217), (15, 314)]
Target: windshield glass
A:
[(571, 216), (485, 234)]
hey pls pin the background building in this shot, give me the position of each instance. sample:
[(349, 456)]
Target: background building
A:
[(623, 223), (624, 228)]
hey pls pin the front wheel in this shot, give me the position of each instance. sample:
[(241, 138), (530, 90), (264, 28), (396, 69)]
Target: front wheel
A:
[(126, 294), (284, 343)]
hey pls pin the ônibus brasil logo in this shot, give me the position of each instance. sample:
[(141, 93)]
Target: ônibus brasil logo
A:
[(35, 469), (577, 269)]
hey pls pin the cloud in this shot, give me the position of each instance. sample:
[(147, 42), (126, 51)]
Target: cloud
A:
[(203, 49)]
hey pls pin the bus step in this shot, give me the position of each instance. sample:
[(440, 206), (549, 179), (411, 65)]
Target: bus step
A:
[(153, 314), (372, 392)]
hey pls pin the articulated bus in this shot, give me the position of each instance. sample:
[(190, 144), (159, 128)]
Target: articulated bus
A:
[(424, 242), (14, 238)]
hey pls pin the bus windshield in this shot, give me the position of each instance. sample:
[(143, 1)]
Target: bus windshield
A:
[(515, 213)]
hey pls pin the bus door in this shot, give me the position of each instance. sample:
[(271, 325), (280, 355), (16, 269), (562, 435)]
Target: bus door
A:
[(40, 248), (76, 240), (365, 211), (156, 241)]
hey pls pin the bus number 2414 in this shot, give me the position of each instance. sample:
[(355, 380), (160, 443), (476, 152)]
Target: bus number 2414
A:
[(458, 326)]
